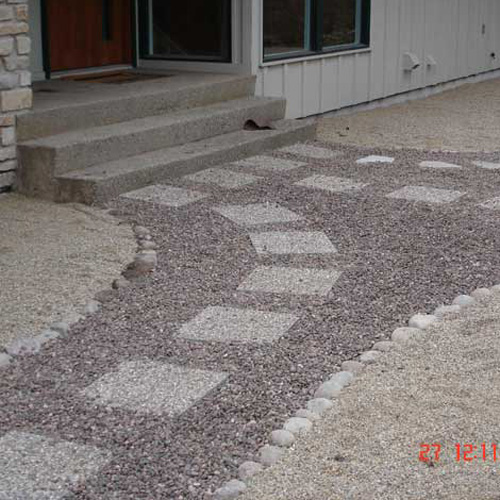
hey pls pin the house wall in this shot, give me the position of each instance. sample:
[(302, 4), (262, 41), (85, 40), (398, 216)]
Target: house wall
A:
[(449, 32), (15, 81)]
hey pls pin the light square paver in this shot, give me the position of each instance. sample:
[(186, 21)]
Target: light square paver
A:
[(270, 279), (270, 163), (257, 213), (331, 183), (488, 165), (439, 164), (292, 242), (426, 194), (226, 324), (33, 466), (493, 204), (309, 151), (375, 159), (152, 387), (165, 195), (223, 178)]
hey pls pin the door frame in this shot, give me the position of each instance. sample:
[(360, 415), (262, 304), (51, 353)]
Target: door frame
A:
[(46, 39)]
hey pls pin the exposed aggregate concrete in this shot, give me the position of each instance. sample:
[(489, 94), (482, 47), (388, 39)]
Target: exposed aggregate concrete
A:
[(397, 259)]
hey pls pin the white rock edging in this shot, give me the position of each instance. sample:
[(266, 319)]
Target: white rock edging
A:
[(332, 388)]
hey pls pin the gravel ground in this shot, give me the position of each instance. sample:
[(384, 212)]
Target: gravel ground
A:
[(396, 258), (464, 119), (53, 259), (443, 390)]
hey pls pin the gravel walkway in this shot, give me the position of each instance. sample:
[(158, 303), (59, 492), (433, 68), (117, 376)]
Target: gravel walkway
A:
[(246, 314), (443, 391), (464, 119), (53, 259)]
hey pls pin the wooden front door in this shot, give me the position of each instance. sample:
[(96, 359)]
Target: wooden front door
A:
[(88, 33)]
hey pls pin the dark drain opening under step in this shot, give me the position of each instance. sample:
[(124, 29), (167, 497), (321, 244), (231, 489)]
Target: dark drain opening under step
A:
[(252, 125)]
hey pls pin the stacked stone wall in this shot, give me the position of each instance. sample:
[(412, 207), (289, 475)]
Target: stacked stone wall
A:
[(15, 82)]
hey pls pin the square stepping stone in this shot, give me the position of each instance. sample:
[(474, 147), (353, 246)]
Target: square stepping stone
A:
[(223, 178), (493, 204), (270, 163), (257, 213), (375, 159), (226, 324), (426, 194), (488, 165), (33, 466), (290, 280), (292, 242), (330, 183), (309, 151), (152, 387), (438, 164), (165, 195)]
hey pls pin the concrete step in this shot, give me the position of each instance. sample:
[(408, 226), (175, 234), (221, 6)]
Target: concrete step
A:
[(108, 180), (61, 106), (81, 149)]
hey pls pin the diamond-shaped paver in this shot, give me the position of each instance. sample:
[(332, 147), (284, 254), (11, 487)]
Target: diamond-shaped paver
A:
[(488, 165), (290, 280), (292, 242), (223, 324), (310, 151), (426, 194), (33, 466), (257, 213), (165, 195), (270, 163), (439, 164), (222, 177), (493, 204), (152, 387), (331, 183), (375, 159)]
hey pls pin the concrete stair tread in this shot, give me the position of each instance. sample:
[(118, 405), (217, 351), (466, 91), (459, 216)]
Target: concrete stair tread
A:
[(77, 137), (62, 106), (110, 179)]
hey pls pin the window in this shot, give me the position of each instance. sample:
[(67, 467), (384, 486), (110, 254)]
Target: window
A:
[(307, 27), (188, 30)]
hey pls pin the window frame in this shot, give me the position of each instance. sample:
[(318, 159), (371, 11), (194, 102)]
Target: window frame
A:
[(315, 29)]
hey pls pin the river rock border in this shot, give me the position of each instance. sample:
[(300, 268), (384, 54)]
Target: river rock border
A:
[(144, 264), (330, 390)]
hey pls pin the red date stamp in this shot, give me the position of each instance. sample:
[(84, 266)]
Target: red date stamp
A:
[(431, 453)]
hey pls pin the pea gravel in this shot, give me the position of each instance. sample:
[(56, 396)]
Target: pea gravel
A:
[(395, 258)]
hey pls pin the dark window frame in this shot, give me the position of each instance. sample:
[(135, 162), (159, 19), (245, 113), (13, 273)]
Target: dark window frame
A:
[(316, 35)]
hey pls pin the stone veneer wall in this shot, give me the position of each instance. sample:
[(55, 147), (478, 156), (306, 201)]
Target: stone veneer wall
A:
[(15, 82)]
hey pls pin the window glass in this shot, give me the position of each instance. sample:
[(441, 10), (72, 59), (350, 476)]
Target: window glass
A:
[(302, 27), (339, 22), (191, 29), (285, 26)]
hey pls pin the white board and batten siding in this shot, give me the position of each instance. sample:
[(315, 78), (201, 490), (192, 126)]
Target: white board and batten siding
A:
[(459, 35)]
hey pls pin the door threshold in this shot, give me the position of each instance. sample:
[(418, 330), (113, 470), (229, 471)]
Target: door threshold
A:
[(84, 72)]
